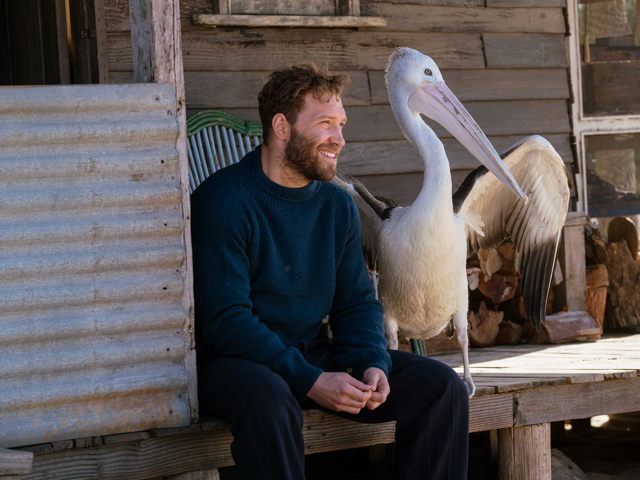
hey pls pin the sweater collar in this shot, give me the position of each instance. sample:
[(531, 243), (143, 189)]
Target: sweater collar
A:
[(271, 187)]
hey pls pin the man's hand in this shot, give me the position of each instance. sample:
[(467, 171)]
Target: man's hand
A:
[(380, 386), (341, 392)]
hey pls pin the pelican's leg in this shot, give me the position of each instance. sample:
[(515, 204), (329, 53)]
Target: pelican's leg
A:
[(391, 330), (460, 322)]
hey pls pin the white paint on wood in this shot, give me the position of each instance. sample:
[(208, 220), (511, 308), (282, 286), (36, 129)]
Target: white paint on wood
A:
[(156, 40), (282, 21)]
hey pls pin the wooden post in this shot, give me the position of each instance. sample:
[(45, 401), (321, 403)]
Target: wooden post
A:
[(14, 463), (157, 58), (573, 263), (525, 452)]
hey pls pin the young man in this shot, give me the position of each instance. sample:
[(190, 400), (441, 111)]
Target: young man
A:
[(276, 248)]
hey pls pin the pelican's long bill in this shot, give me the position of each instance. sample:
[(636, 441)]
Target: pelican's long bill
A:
[(437, 102)]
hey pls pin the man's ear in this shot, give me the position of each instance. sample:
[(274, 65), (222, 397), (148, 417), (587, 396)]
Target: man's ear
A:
[(280, 126)]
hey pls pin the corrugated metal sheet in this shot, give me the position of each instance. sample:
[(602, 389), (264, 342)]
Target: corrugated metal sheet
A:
[(91, 323)]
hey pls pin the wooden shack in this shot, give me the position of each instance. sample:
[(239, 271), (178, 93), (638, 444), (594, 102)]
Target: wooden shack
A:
[(505, 61)]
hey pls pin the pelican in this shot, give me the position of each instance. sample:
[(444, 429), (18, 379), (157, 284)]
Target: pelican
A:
[(420, 251)]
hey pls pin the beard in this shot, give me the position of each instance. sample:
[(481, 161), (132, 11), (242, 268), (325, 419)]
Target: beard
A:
[(302, 156)]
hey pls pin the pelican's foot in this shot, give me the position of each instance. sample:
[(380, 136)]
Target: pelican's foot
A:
[(470, 387)]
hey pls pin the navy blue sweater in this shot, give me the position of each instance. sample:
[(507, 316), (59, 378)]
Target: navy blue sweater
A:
[(270, 262)]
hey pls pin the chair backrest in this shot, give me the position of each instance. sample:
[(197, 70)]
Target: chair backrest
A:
[(216, 140)]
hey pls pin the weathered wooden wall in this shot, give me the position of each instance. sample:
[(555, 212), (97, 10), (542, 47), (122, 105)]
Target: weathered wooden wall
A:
[(506, 61)]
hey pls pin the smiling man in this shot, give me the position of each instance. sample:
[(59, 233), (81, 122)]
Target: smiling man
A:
[(276, 248)]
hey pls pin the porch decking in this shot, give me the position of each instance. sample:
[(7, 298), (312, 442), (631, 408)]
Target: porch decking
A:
[(520, 390)]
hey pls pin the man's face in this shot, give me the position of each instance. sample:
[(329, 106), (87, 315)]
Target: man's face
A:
[(316, 138)]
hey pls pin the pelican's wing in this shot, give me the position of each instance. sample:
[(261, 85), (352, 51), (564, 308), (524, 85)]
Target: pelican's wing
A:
[(492, 214), (372, 213)]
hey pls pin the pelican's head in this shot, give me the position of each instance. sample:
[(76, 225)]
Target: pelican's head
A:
[(414, 82)]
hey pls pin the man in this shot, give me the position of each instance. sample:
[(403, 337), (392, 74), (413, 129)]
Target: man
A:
[(276, 248)]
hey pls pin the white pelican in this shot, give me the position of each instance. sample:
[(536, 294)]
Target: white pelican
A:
[(420, 251)]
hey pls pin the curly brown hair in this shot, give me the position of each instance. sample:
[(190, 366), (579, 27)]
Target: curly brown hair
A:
[(284, 91)]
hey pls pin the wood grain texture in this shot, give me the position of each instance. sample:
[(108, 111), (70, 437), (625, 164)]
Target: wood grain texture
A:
[(449, 3), (513, 50), (490, 412), (526, 3), (574, 268), (462, 19), (101, 40), (470, 85), (525, 453), (216, 90), (14, 462), (577, 401), (494, 118), (156, 36), (176, 454), (296, 21), (266, 49)]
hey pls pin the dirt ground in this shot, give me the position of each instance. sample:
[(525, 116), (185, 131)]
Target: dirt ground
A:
[(603, 453)]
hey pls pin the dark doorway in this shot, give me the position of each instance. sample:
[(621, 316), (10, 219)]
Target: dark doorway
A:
[(48, 42)]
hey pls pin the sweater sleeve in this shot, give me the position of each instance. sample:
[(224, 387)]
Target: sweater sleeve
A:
[(225, 323), (356, 316)]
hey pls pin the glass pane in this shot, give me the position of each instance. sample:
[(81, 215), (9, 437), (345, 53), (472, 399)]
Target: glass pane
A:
[(610, 53), (613, 174)]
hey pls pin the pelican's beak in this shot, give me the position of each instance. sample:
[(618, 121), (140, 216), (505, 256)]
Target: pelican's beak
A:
[(437, 102)]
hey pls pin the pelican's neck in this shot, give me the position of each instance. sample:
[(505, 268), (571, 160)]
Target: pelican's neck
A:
[(436, 187)]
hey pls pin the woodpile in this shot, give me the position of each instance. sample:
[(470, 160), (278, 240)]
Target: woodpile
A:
[(496, 314), (622, 281)]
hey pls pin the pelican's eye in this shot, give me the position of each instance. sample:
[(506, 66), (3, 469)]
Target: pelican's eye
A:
[(428, 72)]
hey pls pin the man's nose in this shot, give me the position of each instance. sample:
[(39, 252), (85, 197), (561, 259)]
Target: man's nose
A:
[(337, 138)]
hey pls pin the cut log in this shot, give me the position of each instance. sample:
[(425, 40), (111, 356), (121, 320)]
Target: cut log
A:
[(441, 345), (597, 283), (509, 334), (509, 257), (484, 326), (499, 288), (490, 262), (623, 293), (621, 228), (565, 326)]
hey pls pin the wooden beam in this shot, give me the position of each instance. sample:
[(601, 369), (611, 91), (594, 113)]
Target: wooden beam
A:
[(156, 39), (524, 50), (264, 49), (474, 85), (282, 21), (417, 18), (399, 156), (580, 400), (525, 453), (15, 462)]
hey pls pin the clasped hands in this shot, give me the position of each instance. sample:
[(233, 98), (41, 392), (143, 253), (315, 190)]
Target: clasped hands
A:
[(341, 392)]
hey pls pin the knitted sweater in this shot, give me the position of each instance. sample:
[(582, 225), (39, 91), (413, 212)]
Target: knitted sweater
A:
[(270, 262)]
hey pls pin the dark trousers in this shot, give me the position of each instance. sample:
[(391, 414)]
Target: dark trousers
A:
[(428, 401)]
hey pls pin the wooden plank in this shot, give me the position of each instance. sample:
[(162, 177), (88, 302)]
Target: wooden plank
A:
[(514, 50), (15, 462), (214, 90), (296, 21), (526, 3), (490, 412), (540, 117), (117, 14), (450, 3), (470, 85), (266, 49), (574, 268), (577, 401), (399, 156), (401, 18), (525, 453), (101, 42), (156, 36), (172, 455), (403, 188), (63, 42)]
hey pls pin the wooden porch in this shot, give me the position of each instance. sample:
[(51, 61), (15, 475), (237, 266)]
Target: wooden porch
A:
[(521, 389)]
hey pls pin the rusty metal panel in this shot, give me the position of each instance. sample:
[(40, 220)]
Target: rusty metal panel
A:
[(92, 328)]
